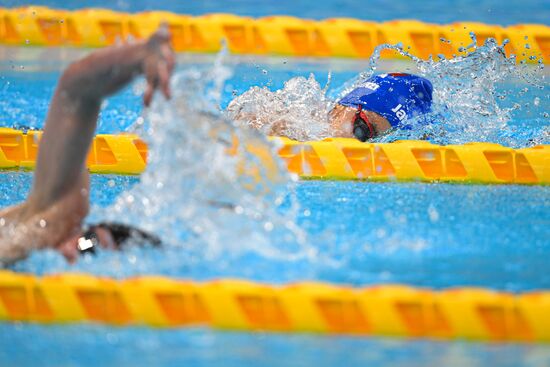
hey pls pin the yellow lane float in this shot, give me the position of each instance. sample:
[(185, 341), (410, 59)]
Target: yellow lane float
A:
[(386, 310), (346, 159), (272, 35)]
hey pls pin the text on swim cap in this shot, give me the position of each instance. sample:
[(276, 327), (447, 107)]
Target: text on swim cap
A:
[(372, 86), (399, 112)]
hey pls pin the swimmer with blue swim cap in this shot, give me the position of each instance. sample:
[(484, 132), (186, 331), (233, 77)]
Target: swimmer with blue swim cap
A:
[(382, 102), (378, 104)]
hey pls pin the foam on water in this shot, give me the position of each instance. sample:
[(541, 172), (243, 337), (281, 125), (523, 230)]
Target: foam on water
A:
[(298, 111), (467, 95)]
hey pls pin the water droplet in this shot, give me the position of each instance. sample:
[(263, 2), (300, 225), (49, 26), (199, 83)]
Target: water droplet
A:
[(536, 101), (380, 233), (264, 71), (527, 46), (42, 223), (111, 183)]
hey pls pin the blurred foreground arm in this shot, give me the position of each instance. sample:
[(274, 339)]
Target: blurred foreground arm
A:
[(75, 107), (58, 201)]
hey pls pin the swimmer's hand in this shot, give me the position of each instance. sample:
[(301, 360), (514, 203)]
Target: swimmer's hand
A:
[(158, 64), (106, 71)]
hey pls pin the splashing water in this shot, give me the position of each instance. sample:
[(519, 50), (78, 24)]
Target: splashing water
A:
[(466, 97), (465, 105), (210, 188), (212, 199), (298, 111)]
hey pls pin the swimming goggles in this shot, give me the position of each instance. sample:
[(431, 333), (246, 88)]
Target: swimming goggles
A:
[(89, 241), (363, 129)]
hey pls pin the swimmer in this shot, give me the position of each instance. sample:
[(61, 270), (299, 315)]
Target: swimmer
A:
[(379, 104), (52, 215)]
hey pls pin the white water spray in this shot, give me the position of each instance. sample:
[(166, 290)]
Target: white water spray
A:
[(465, 107), (210, 188)]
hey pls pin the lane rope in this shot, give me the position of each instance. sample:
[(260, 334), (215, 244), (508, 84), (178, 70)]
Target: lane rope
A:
[(387, 310), (333, 158), (272, 35)]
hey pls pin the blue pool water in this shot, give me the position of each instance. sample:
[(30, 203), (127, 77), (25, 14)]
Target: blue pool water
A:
[(27, 86), (428, 235), (366, 233), (435, 11), (106, 346)]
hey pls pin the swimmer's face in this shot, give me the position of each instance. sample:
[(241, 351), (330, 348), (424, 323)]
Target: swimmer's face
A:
[(72, 247), (341, 121)]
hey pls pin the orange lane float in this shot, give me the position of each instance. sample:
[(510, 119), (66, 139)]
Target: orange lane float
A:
[(344, 159), (386, 310), (272, 35)]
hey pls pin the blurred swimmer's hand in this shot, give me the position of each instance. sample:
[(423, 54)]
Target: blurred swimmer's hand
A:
[(53, 213), (158, 64), (106, 71)]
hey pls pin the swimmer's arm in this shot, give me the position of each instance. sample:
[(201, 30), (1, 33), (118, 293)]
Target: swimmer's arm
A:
[(11, 251), (12, 248), (106, 71), (75, 107), (16, 243)]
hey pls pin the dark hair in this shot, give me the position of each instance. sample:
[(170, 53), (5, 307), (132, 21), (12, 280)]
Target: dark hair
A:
[(122, 233)]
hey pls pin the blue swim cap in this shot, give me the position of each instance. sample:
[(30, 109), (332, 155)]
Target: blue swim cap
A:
[(395, 96)]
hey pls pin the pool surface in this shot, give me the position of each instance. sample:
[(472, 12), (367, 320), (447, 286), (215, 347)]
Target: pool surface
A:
[(487, 11), (356, 233), (93, 345)]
